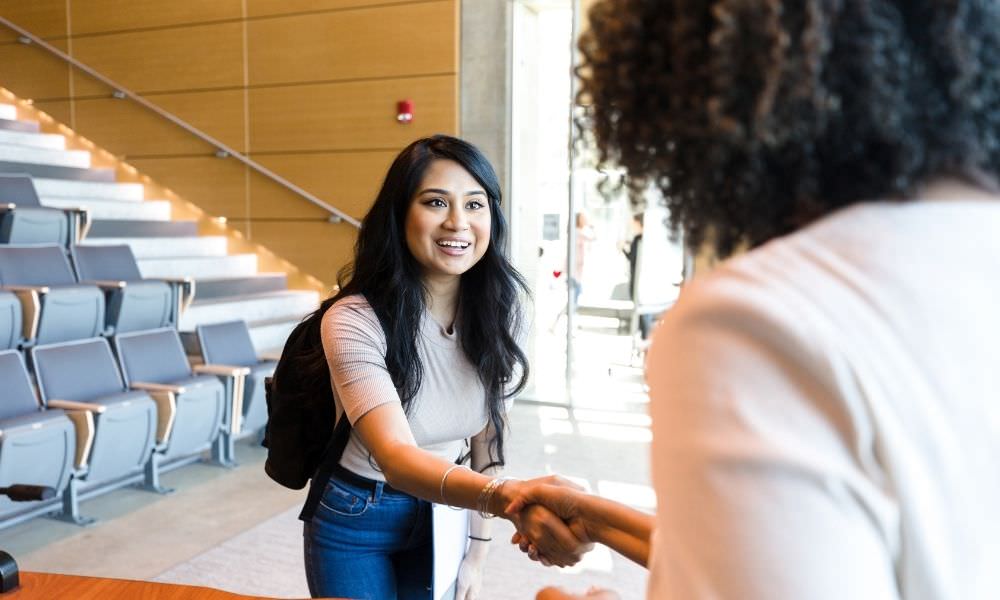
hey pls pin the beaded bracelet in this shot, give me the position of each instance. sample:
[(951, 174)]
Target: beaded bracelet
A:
[(444, 478)]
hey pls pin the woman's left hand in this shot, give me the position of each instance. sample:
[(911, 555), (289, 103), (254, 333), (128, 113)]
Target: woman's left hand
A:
[(470, 577)]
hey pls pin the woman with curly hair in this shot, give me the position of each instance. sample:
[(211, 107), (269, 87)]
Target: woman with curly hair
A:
[(825, 406)]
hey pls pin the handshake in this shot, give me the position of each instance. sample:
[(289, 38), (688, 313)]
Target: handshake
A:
[(546, 513), (557, 523)]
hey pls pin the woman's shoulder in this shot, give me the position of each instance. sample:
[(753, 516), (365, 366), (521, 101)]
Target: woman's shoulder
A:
[(351, 313)]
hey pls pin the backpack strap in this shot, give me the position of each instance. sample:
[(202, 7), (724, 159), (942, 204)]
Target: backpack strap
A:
[(331, 456)]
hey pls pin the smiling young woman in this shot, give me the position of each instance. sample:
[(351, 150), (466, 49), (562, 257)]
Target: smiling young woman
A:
[(421, 347)]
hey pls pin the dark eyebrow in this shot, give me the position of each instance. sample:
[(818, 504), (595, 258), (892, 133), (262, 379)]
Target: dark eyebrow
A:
[(447, 193)]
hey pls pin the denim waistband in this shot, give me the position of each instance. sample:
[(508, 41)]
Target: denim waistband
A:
[(348, 476)]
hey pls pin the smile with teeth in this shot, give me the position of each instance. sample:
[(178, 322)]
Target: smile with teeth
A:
[(453, 244)]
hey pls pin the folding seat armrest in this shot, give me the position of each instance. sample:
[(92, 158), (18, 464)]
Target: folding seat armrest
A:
[(183, 289), (221, 370), (82, 416), (108, 284), (165, 396), (74, 405), (30, 298), (146, 386), (79, 223), (234, 379)]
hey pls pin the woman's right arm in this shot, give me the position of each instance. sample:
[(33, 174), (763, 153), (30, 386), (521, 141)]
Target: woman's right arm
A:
[(355, 351)]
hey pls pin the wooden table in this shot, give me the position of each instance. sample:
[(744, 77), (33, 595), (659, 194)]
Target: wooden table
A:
[(52, 586)]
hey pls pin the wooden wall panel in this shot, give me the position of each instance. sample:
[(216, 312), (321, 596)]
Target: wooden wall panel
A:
[(317, 247), (57, 109), (187, 58), (393, 41), (216, 185), (323, 80), (44, 18), (350, 116), (260, 8), (348, 181), (90, 16), (125, 128), (32, 72)]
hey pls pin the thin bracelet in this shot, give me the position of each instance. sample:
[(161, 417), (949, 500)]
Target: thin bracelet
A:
[(479, 539), (444, 478), (486, 496)]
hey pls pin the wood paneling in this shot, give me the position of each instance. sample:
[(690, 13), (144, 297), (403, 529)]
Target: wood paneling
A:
[(392, 41), (258, 8), (348, 181), (124, 127), (216, 185), (316, 247), (32, 72), (57, 109), (44, 18), (350, 116), (187, 58), (89, 16)]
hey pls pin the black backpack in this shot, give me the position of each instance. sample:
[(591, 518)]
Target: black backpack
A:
[(301, 439)]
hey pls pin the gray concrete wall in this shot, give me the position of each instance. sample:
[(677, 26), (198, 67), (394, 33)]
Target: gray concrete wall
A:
[(484, 82)]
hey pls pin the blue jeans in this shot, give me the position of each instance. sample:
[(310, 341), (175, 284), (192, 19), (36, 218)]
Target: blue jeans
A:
[(369, 544)]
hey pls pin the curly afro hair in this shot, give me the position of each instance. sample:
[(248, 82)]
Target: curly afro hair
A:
[(755, 117)]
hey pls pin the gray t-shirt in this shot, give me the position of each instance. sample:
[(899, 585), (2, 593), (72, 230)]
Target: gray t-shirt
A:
[(449, 407)]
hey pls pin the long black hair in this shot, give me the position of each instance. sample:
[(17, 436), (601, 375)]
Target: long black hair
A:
[(387, 275)]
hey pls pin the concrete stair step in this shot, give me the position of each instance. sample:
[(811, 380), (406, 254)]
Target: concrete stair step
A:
[(52, 141), (8, 111), (44, 156), (271, 306), (198, 267), (165, 247), (149, 210), (211, 289), (57, 171), (131, 228), (270, 336), (89, 189), (12, 125)]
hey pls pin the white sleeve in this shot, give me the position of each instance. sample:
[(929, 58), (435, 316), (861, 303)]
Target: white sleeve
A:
[(764, 458)]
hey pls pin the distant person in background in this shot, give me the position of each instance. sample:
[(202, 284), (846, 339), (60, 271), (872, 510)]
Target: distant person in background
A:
[(632, 254), (585, 235), (826, 422)]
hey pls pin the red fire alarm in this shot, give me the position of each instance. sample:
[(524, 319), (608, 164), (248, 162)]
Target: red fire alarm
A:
[(404, 111)]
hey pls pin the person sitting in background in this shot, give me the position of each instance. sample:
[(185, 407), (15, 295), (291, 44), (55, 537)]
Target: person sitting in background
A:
[(825, 406)]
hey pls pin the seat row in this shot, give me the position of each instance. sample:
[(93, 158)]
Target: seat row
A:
[(103, 413), (23, 219), (49, 295)]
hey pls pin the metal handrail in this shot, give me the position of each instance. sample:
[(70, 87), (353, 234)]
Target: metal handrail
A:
[(222, 150)]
